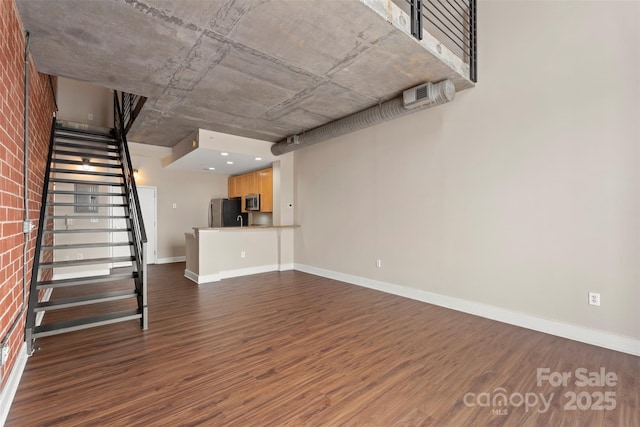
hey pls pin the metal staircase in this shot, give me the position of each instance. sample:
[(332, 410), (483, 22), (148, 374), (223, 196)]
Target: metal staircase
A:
[(90, 225)]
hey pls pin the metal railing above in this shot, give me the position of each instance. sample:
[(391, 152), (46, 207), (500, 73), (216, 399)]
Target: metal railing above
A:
[(452, 22), (130, 106)]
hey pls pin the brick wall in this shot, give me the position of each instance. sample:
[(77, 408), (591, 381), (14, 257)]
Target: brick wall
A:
[(12, 44)]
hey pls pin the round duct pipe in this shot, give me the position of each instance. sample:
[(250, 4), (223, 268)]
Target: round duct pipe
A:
[(437, 94)]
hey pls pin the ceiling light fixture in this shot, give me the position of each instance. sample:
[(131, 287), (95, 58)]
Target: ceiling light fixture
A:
[(136, 174), (85, 163), (211, 169), (224, 154), (258, 158), (229, 162)]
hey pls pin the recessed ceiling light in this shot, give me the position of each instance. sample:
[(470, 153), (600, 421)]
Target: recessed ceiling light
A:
[(224, 154), (212, 169), (229, 162), (258, 158)]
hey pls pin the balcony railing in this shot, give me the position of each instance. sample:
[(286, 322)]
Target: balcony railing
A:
[(452, 22), (130, 106)]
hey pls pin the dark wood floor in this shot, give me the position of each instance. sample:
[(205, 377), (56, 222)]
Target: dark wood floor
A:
[(294, 349)]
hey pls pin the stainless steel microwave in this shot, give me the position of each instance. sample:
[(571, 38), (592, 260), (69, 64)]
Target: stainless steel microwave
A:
[(252, 202)]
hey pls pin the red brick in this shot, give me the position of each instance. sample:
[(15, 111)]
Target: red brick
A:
[(11, 164)]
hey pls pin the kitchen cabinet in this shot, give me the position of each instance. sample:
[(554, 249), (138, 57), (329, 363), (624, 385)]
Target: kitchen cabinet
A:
[(233, 187), (242, 188), (266, 190), (251, 187), (258, 182)]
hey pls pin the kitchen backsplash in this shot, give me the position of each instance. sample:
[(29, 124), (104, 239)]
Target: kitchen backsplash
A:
[(260, 218)]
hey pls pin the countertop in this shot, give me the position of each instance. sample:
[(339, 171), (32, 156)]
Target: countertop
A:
[(249, 227)]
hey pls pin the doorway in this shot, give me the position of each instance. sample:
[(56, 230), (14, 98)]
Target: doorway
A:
[(148, 206)]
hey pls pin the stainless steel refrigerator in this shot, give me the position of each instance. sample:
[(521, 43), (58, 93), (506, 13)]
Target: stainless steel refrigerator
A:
[(227, 213)]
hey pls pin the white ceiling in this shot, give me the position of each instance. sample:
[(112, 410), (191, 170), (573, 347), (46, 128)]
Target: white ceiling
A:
[(205, 149), (201, 159)]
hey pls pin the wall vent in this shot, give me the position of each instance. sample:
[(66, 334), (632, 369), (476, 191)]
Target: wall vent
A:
[(418, 96)]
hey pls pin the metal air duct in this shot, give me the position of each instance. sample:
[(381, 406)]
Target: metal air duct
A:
[(419, 98)]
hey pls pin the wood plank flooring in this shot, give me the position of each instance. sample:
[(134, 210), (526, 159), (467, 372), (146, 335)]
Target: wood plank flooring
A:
[(280, 349)]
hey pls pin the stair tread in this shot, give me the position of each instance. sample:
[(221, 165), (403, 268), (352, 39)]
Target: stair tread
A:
[(98, 139), (85, 154), (97, 205), (62, 128), (92, 164), (85, 300), (87, 173), (90, 145), (83, 172), (85, 322), (86, 245), (85, 193), (89, 230), (61, 283), (74, 262), (87, 216), (81, 181)]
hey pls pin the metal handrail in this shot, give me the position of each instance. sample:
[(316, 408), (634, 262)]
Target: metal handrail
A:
[(131, 104), (126, 160), (30, 322), (53, 92), (133, 210)]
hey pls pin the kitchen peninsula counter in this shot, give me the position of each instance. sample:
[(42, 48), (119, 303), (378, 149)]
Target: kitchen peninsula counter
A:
[(213, 254), (247, 227)]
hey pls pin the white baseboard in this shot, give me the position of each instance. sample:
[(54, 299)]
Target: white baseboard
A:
[(286, 267), (171, 260), (11, 386), (194, 277), (80, 274), (227, 274), (561, 329)]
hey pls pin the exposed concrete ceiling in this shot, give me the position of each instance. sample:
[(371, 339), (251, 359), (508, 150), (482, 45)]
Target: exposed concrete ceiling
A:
[(262, 69)]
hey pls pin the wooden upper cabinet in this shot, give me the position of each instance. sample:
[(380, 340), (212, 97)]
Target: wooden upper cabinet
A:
[(258, 182), (251, 187), (242, 188), (266, 190), (231, 183)]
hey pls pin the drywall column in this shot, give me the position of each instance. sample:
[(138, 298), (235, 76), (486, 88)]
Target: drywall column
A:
[(284, 207)]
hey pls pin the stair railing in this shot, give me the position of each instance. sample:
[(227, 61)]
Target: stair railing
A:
[(452, 22), (37, 256), (137, 234), (130, 105)]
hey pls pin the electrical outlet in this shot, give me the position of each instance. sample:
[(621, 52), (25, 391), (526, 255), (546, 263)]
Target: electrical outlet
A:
[(90, 116), (379, 263), (5, 354), (80, 255), (243, 254), (594, 298)]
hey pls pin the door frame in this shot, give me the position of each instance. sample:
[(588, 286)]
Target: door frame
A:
[(152, 253)]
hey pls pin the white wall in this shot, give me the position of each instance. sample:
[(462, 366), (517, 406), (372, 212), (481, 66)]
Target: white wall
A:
[(76, 100), (190, 191), (522, 194)]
